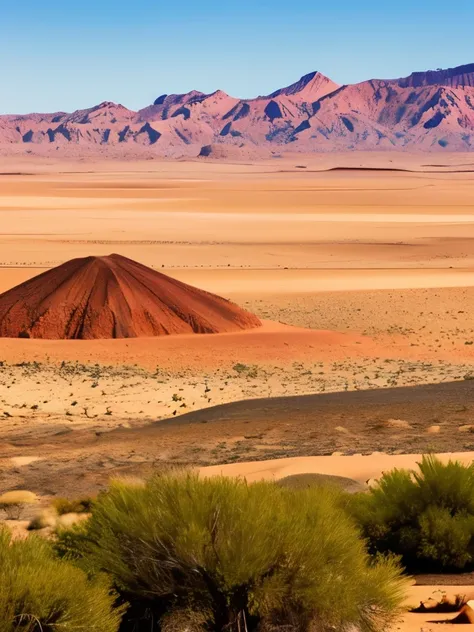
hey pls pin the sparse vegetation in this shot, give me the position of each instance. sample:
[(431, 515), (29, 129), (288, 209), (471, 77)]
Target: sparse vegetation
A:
[(244, 369), (13, 503), (220, 554), (240, 367)]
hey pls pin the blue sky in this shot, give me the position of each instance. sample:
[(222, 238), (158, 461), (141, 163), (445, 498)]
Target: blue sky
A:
[(57, 55)]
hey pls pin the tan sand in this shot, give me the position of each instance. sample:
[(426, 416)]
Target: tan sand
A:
[(380, 265), (431, 622), (358, 467)]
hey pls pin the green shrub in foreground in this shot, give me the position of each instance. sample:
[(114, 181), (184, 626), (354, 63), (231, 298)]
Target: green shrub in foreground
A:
[(426, 516), (40, 593), (220, 554)]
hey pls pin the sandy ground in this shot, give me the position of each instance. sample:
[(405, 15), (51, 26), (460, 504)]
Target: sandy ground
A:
[(358, 467), (365, 280), (433, 622), (379, 265), (77, 453), (210, 215)]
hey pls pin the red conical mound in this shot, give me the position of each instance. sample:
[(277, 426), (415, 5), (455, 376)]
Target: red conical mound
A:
[(113, 297)]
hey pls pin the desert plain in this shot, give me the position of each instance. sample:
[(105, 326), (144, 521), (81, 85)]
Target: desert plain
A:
[(360, 266)]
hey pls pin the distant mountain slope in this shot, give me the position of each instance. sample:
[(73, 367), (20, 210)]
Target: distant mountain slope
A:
[(461, 76), (431, 110)]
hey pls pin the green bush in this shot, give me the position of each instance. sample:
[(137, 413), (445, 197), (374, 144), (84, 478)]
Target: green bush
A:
[(40, 593), (426, 516), (220, 554), (65, 506)]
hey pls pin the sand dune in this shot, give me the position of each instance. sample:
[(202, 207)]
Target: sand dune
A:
[(358, 467)]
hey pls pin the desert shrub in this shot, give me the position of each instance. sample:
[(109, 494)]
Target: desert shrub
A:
[(40, 593), (426, 516), (13, 503), (66, 506), (221, 554)]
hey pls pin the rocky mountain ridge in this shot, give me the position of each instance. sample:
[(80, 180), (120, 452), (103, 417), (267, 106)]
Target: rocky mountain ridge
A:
[(431, 110)]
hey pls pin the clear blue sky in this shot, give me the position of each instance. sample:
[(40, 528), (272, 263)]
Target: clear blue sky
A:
[(59, 55)]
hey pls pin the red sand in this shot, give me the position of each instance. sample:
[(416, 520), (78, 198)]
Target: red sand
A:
[(113, 297)]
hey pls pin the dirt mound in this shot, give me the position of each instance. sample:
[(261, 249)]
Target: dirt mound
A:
[(113, 297)]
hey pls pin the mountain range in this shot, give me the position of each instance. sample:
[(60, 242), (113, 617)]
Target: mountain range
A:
[(428, 111)]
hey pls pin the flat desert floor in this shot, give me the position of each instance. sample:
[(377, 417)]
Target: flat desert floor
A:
[(361, 267), (374, 253)]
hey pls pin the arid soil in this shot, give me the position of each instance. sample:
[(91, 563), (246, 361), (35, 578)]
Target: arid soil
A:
[(78, 453), (363, 280)]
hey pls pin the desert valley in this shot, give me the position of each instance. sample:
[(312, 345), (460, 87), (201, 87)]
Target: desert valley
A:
[(261, 309)]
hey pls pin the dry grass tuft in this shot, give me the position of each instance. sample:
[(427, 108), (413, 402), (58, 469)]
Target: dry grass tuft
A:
[(13, 502)]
